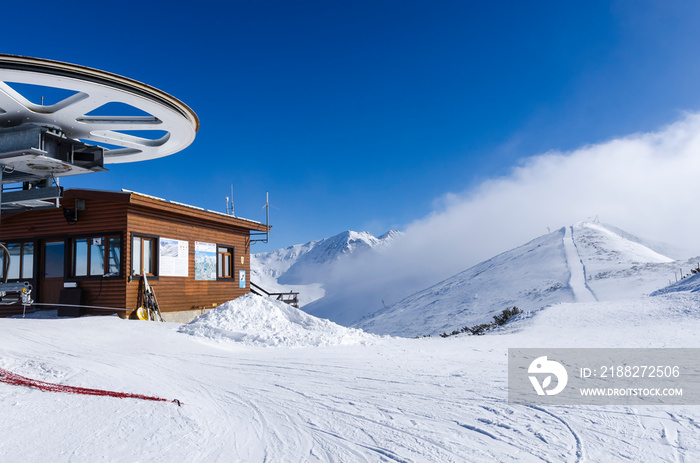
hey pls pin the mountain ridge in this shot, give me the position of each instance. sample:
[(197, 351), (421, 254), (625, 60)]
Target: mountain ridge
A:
[(304, 267), (587, 261)]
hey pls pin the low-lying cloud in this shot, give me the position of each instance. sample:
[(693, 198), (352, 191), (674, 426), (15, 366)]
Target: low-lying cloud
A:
[(647, 184)]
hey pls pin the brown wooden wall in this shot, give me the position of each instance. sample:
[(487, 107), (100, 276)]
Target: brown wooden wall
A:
[(186, 293), (122, 213), (99, 216)]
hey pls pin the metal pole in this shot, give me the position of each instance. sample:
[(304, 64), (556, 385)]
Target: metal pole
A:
[(267, 217), (2, 169)]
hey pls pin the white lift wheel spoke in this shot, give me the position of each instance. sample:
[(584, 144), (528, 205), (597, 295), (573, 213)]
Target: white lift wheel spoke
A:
[(95, 89)]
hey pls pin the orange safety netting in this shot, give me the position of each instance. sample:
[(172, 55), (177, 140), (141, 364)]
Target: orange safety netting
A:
[(17, 380)]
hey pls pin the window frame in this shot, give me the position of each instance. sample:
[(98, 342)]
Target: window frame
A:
[(231, 253), (106, 237), (155, 261), (22, 244)]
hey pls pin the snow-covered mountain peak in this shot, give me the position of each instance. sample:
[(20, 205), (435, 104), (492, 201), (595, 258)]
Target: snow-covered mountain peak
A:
[(389, 236), (530, 276), (342, 244), (605, 242), (305, 263), (584, 262)]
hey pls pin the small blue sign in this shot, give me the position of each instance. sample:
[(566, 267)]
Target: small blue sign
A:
[(241, 278)]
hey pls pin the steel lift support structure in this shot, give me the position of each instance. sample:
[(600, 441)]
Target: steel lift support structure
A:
[(41, 143)]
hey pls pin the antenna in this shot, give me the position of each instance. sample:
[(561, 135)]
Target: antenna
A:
[(267, 211), (266, 233), (229, 203)]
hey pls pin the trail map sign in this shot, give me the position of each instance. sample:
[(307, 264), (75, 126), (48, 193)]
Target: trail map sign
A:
[(173, 257), (204, 261)]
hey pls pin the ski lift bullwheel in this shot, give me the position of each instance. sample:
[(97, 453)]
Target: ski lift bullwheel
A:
[(93, 89)]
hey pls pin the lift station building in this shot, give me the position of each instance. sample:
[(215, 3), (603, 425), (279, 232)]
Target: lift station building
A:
[(92, 248)]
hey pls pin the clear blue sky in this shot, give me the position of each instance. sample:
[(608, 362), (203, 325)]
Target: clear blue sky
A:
[(358, 115)]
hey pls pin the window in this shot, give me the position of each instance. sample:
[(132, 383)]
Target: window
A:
[(97, 256), (143, 251), (21, 261), (224, 262)]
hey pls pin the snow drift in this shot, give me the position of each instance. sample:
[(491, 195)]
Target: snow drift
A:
[(255, 320), (689, 284)]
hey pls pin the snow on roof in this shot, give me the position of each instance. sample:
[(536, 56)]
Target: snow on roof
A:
[(189, 206)]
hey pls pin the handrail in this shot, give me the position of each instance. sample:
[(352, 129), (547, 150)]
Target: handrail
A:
[(253, 285), (291, 297)]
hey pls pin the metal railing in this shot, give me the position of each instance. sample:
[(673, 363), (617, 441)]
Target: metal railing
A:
[(291, 298)]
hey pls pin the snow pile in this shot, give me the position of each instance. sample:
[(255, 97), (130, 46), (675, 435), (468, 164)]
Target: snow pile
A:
[(260, 321)]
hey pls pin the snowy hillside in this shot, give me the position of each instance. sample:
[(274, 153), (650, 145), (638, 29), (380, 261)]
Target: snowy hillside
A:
[(393, 399), (582, 263), (618, 265), (689, 283), (303, 267)]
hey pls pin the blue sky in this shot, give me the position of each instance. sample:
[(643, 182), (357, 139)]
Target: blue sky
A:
[(362, 115)]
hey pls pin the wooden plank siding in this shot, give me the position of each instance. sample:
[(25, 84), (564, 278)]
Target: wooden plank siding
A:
[(126, 213), (186, 293), (99, 216)]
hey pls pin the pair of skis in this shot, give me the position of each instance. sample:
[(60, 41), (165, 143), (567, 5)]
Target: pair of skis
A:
[(149, 302)]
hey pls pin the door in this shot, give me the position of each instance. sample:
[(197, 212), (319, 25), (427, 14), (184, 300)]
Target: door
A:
[(52, 268)]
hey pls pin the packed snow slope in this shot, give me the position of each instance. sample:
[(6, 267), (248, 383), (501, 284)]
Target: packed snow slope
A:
[(304, 267), (689, 283), (619, 265), (394, 400), (581, 263)]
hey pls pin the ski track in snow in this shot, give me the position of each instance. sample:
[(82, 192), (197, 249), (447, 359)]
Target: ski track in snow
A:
[(577, 439), (577, 282), (356, 403), (394, 400)]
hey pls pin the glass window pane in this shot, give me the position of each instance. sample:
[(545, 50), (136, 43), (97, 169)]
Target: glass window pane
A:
[(219, 268), (148, 256), (97, 256), (80, 254), (136, 256), (227, 265), (53, 259), (115, 251), (28, 261), (15, 250)]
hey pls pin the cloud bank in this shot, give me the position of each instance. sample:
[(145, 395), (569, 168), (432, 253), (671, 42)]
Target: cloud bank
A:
[(647, 184)]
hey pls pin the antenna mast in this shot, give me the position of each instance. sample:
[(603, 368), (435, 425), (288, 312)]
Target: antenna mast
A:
[(229, 203), (267, 214), (266, 233)]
